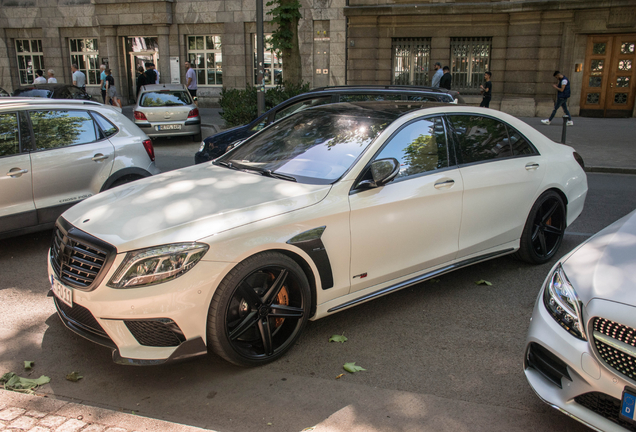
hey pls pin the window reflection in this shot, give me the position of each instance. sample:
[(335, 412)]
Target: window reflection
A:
[(165, 98), (480, 138), (55, 129), (9, 144)]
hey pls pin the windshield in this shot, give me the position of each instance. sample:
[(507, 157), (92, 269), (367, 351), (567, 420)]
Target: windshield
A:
[(165, 98), (313, 146)]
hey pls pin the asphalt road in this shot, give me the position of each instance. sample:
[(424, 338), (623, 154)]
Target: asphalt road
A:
[(439, 356)]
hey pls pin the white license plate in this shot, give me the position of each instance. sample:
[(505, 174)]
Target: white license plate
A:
[(169, 127), (63, 293)]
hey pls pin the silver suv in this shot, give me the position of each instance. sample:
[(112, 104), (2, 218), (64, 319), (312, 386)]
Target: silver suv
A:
[(55, 153)]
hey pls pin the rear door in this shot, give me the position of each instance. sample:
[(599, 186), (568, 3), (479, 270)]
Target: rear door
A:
[(71, 161), (17, 209)]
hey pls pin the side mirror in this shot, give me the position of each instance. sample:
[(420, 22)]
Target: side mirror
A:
[(383, 171)]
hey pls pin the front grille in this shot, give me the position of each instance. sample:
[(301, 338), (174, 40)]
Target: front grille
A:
[(605, 406), (617, 359), (547, 364), (162, 332), (77, 258)]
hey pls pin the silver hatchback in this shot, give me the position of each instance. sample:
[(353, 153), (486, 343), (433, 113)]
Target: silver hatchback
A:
[(167, 110)]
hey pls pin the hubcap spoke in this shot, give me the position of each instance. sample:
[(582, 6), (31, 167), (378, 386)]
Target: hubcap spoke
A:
[(245, 325), (549, 213), (266, 335), (273, 291), (535, 232), (282, 311), (544, 248), (549, 229), (250, 295)]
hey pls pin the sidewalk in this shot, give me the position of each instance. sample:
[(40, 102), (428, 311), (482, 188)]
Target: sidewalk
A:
[(22, 412)]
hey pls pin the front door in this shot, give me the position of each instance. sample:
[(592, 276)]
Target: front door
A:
[(608, 80)]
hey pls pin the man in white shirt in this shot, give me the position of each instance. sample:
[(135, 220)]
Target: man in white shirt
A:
[(438, 75), (51, 74), (79, 79), (39, 79), (191, 80)]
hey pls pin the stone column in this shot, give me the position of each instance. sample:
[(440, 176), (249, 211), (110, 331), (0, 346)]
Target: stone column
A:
[(163, 33), (53, 55), (5, 63)]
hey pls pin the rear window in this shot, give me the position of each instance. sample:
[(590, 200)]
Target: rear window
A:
[(33, 93), (165, 98)]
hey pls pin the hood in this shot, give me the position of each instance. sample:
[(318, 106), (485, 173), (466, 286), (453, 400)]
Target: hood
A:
[(186, 205), (605, 266)]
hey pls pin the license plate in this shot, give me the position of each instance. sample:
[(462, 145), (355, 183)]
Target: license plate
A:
[(63, 293), (169, 127), (628, 404)]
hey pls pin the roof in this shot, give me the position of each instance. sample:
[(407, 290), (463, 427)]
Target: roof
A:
[(44, 101), (376, 109), (156, 87), (47, 86)]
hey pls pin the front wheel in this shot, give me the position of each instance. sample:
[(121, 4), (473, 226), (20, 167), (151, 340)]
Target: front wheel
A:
[(544, 229), (259, 310)]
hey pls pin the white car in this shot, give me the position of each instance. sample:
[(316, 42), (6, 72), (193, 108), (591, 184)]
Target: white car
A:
[(581, 351), (55, 153), (323, 210)]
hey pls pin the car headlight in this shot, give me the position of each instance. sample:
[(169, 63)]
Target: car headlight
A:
[(202, 146), (157, 264), (563, 304)]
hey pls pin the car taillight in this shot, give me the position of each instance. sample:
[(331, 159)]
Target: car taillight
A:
[(149, 149), (193, 113), (579, 159), (139, 115)]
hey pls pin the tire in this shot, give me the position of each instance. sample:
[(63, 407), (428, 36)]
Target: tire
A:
[(259, 310), (124, 180), (197, 137), (544, 229)]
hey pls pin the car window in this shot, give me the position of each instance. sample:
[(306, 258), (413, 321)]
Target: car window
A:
[(25, 132), (9, 139), (299, 106), (55, 129), (419, 147), (480, 138), (107, 127), (370, 97), (165, 98), (520, 145), (425, 98), (75, 93), (34, 93)]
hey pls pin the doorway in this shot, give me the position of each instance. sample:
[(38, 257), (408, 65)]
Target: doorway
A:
[(608, 78), (141, 50)]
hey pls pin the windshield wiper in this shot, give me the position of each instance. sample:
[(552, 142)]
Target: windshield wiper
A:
[(226, 164), (270, 173)]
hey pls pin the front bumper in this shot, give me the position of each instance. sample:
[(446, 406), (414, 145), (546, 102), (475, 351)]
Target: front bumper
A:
[(590, 393)]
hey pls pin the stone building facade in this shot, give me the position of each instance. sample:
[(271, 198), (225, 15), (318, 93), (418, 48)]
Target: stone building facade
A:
[(342, 42)]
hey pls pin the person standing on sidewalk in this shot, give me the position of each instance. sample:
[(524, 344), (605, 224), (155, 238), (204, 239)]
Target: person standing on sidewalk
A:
[(447, 78), (102, 81), (486, 90), (151, 75), (562, 98), (191, 81), (438, 75), (39, 77), (79, 79), (51, 74)]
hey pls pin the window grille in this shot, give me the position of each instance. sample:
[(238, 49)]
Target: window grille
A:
[(205, 57), (471, 58), (30, 58), (273, 64), (411, 61), (85, 54)]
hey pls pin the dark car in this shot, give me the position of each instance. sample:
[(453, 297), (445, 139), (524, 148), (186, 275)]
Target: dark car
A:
[(52, 91), (217, 144), (4, 93)]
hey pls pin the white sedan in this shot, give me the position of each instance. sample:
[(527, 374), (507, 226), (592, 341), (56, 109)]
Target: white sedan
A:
[(323, 210)]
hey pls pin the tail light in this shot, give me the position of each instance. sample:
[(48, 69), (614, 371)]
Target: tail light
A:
[(139, 115), (149, 149), (193, 113), (579, 159)]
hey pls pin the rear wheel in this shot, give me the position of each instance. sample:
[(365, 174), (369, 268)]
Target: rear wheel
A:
[(259, 310), (197, 137), (544, 229), (124, 180)]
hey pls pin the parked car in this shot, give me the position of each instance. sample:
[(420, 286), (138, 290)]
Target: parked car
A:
[(215, 145), (167, 110), (52, 91), (325, 209), (581, 349), (55, 153)]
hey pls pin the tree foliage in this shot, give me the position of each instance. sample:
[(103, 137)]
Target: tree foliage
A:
[(286, 14)]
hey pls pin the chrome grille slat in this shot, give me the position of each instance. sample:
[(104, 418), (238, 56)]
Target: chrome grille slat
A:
[(612, 354)]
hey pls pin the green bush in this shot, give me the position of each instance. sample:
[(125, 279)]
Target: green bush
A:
[(239, 106)]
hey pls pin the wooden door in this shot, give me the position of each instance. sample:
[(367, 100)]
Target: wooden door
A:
[(608, 79)]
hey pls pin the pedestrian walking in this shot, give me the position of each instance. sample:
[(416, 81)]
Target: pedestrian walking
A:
[(437, 76), (102, 81), (447, 78), (486, 90), (111, 90), (39, 79), (141, 79), (51, 74), (191, 81), (563, 95), (79, 79), (154, 68), (151, 75)]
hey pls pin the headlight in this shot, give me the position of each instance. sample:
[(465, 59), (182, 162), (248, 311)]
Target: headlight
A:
[(156, 265), (563, 304), (202, 146)]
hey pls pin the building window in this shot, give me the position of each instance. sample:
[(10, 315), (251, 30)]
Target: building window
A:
[(85, 54), (273, 67), (30, 58), (471, 58), (204, 55), (411, 60)]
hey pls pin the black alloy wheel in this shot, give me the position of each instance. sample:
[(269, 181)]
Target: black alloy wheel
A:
[(544, 229), (259, 310)]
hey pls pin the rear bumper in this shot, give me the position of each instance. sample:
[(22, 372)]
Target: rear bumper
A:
[(187, 128)]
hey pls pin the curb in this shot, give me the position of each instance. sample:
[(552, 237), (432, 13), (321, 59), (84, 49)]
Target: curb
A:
[(610, 170)]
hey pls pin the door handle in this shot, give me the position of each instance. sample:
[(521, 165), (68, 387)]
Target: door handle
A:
[(99, 157), (532, 166), (444, 184), (17, 173)]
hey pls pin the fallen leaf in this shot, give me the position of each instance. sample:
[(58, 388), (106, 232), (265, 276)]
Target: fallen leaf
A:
[(269, 424), (25, 385), (352, 368), (339, 376), (483, 282), (338, 338), (74, 377), (28, 364)]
